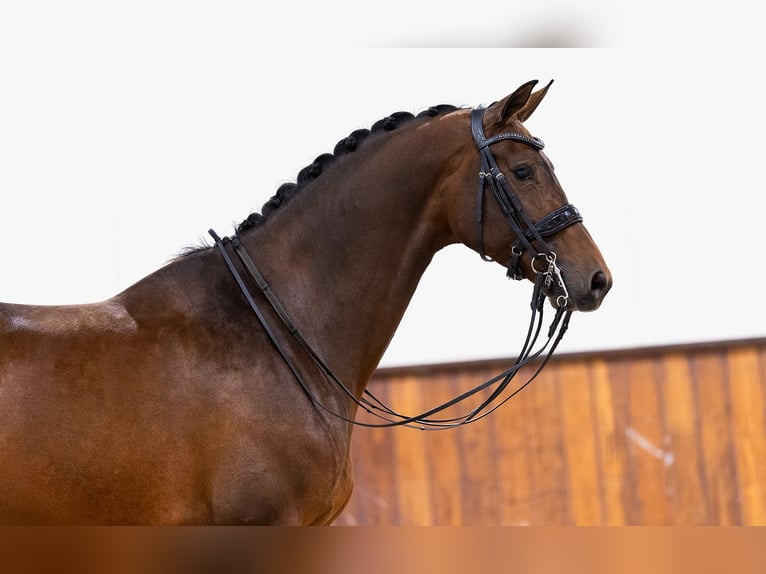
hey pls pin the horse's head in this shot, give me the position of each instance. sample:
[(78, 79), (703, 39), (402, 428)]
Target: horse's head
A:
[(517, 214)]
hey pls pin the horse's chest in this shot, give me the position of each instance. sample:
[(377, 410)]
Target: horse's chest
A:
[(293, 481)]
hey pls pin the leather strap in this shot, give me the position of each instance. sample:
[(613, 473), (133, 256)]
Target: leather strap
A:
[(529, 236), (555, 221), (370, 403), (527, 233)]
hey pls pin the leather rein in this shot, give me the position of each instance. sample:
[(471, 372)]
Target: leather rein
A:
[(548, 279)]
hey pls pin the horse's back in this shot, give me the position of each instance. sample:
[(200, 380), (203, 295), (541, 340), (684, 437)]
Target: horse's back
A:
[(62, 346), (63, 320), (40, 344)]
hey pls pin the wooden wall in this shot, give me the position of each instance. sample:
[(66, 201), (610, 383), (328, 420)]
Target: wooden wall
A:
[(664, 436)]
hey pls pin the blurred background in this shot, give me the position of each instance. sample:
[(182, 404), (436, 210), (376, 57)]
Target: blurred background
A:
[(125, 133)]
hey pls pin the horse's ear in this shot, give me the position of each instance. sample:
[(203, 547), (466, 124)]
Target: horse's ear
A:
[(521, 103), (532, 103)]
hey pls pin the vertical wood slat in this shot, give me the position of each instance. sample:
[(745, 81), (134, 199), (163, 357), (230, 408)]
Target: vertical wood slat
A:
[(444, 457), (746, 390), (411, 460), (662, 436), (715, 427), (479, 488), (687, 494), (546, 453), (647, 445), (513, 474), (581, 446), (610, 420)]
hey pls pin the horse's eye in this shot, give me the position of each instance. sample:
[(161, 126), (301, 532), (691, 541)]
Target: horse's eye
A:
[(522, 172)]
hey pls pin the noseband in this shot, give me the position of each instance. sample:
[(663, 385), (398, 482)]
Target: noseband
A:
[(529, 236), (492, 393)]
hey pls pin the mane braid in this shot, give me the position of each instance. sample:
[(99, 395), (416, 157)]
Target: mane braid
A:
[(348, 144)]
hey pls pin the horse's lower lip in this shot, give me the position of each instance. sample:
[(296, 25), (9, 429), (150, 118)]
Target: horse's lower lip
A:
[(584, 304)]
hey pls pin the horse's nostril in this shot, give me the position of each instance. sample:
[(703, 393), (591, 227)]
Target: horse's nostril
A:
[(599, 281)]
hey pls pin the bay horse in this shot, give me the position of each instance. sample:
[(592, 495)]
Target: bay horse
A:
[(170, 404)]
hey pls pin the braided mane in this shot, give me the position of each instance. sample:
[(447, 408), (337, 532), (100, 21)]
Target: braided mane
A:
[(347, 145)]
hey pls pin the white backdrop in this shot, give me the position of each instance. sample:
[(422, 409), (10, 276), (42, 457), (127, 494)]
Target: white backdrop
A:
[(126, 134)]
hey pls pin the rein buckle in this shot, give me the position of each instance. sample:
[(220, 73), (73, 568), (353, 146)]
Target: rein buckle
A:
[(514, 269)]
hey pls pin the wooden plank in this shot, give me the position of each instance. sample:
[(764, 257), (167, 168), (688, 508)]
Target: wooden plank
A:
[(545, 448), (610, 414), (686, 488), (480, 489), (580, 444), (648, 445), (715, 427), (410, 459), (747, 399), (512, 435), (444, 456)]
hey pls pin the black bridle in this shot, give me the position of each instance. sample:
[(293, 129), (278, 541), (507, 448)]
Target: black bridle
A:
[(530, 236)]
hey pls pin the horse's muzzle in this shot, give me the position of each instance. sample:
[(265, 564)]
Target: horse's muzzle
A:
[(588, 294)]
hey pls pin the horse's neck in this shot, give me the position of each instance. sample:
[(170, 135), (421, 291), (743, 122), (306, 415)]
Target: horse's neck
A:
[(345, 255)]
